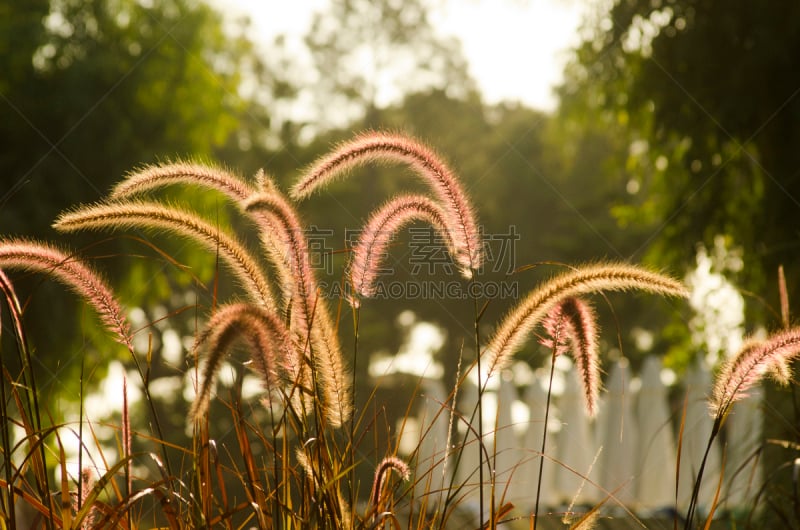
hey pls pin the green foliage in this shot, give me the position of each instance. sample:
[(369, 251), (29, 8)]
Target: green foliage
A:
[(370, 53), (101, 86), (704, 93), (91, 89)]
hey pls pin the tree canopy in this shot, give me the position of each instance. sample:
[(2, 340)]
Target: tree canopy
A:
[(92, 90), (707, 94)]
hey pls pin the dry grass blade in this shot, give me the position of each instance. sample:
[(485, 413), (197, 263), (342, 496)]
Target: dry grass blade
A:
[(784, 297), (126, 215), (257, 494), (92, 498), (715, 503), (498, 515), (330, 508), (66, 496), (32, 501), (515, 327), (679, 455), (127, 442), (64, 267)]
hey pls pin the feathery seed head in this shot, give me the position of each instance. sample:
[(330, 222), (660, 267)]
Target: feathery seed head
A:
[(153, 177), (273, 354), (376, 236), (754, 359), (154, 216), (87, 484), (310, 314), (66, 268), (572, 325), (265, 183), (284, 239), (387, 465), (388, 147), (520, 321)]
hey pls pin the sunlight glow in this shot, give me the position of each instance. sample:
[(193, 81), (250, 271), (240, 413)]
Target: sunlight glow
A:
[(515, 50)]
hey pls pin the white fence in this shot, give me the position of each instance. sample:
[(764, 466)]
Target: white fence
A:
[(625, 456)]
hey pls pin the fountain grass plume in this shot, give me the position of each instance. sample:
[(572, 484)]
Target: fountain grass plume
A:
[(738, 375), (512, 332), (386, 466), (66, 268), (280, 222), (375, 237), (145, 215), (157, 176), (387, 147), (151, 178), (272, 356), (572, 326), (238, 191), (755, 359), (283, 237)]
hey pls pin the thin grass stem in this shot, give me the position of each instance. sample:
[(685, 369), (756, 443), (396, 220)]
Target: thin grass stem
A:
[(481, 388), (9, 497), (351, 442), (690, 513), (544, 433)]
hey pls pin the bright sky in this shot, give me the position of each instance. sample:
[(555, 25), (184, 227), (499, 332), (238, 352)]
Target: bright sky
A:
[(516, 48)]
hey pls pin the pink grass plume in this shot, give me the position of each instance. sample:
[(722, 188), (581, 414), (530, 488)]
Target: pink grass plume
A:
[(66, 268), (755, 359), (572, 326), (388, 147), (376, 236)]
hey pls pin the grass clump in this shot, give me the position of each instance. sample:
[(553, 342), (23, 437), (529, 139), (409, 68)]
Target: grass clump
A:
[(293, 461)]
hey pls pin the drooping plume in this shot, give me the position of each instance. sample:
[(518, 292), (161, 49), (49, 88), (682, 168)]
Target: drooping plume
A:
[(144, 215), (154, 177), (66, 268), (387, 465), (517, 324), (755, 359), (283, 235), (270, 344), (375, 237), (572, 326), (238, 191), (386, 147)]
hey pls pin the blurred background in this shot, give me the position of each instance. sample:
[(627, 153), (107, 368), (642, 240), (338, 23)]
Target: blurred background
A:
[(663, 132)]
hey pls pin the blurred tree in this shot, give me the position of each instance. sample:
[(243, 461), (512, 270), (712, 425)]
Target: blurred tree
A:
[(707, 95), (91, 90), (368, 54)]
